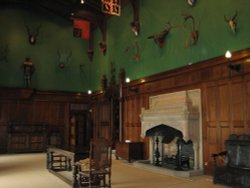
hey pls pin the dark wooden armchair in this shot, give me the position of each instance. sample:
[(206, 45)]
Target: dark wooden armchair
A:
[(235, 169), (96, 170)]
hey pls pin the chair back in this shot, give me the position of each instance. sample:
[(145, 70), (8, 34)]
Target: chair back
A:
[(100, 154)]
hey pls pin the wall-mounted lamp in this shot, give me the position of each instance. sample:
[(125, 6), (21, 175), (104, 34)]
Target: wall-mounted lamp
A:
[(228, 54), (235, 67), (89, 92), (232, 67), (127, 80), (134, 89)]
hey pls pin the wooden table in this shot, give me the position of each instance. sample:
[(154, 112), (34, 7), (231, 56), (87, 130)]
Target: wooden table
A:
[(129, 150), (63, 159)]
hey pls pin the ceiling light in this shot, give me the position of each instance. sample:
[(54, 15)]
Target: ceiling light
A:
[(82, 2)]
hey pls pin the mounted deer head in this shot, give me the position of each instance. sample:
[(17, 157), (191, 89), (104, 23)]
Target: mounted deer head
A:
[(232, 22), (103, 47), (191, 2), (159, 39), (103, 27), (63, 58), (136, 55), (33, 33), (135, 24), (194, 32), (90, 51)]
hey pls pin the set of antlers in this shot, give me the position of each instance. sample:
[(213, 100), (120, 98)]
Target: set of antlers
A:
[(232, 22), (159, 39), (33, 33), (194, 32), (63, 58)]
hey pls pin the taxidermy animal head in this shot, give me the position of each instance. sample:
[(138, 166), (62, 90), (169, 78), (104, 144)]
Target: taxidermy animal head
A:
[(103, 47), (232, 22), (135, 26), (90, 53), (191, 2), (159, 39), (135, 56), (63, 58), (32, 34), (194, 32)]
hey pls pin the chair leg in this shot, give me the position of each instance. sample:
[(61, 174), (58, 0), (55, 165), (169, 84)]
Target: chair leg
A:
[(104, 180)]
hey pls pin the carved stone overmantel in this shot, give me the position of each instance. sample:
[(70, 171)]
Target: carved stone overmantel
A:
[(180, 110)]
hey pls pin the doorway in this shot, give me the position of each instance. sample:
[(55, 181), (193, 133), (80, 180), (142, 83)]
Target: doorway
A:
[(80, 128)]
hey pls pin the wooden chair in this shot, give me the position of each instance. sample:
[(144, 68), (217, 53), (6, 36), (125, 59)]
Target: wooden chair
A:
[(96, 170)]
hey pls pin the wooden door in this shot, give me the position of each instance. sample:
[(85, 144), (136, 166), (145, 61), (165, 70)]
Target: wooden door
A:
[(80, 128)]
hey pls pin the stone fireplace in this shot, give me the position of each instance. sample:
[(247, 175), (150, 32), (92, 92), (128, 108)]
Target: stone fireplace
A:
[(173, 116)]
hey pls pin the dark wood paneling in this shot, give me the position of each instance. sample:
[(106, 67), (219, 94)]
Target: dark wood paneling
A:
[(32, 106), (225, 100)]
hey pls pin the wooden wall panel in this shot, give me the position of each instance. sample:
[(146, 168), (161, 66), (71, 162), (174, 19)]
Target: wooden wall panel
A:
[(132, 121), (225, 100), (247, 103), (238, 107), (211, 123), (16, 105)]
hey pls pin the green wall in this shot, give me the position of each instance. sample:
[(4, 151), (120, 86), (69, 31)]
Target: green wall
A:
[(215, 38), (55, 35)]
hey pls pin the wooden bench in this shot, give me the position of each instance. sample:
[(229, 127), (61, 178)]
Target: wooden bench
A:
[(236, 169)]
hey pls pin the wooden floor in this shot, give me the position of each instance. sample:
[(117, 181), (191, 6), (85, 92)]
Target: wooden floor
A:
[(29, 171)]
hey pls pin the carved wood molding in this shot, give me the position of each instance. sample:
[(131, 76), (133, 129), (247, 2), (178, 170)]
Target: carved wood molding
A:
[(208, 70), (39, 95)]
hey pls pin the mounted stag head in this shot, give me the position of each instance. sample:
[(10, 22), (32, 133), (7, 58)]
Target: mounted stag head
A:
[(135, 56), (232, 22), (103, 47), (103, 28), (135, 24), (33, 33), (191, 2), (159, 39), (63, 59), (90, 51), (194, 32)]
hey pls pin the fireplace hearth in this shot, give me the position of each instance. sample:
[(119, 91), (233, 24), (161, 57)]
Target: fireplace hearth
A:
[(173, 124), (175, 152)]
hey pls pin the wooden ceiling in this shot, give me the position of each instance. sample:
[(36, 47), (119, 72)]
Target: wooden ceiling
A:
[(62, 8)]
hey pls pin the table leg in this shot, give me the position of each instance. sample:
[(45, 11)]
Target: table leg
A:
[(49, 160), (74, 181), (68, 164)]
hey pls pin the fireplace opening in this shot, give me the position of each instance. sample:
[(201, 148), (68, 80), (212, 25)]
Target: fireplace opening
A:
[(170, 150)]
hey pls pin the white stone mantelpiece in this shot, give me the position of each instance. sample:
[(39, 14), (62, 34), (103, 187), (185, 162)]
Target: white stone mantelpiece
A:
[(180, 110)]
